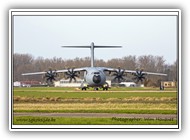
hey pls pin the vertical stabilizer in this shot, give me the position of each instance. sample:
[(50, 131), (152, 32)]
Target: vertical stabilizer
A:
[(92, 46), (92, 54)]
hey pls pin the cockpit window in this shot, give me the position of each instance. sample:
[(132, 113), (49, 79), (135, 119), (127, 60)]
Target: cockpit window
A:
[(96, 73)]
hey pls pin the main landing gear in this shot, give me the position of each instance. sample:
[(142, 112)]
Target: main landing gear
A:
[(104, 87), (96, 88), (83, 88)]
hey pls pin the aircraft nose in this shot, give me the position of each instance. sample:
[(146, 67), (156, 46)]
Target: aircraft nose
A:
[(96, 79)]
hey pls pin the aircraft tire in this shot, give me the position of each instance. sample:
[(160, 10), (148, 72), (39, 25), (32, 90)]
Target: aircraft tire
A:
[(105, 88), (83, 88)]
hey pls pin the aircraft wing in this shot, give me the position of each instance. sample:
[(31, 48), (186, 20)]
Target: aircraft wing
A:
[(57, 71), (74, 69), (146, 73), (152, 73), (34, 73), (132, 71)]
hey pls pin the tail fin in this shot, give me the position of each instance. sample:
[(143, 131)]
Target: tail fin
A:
[(92, 46)]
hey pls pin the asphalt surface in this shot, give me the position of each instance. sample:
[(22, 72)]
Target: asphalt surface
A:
[(100, 115)]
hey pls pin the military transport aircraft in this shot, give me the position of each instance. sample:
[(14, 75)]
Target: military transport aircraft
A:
[(94, 76)]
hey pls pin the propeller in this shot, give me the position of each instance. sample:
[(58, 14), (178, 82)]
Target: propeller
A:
[(50, 76), (119, 75), (139, 75), (71, 75)]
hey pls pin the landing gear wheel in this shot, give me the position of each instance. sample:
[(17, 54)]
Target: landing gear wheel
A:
[(96, 88), (83, 88), (106, 88)]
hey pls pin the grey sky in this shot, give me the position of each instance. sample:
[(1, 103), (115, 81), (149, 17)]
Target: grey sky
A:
[(138, 35)]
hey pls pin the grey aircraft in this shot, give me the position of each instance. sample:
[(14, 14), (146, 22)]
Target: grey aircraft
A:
[(94, 76)]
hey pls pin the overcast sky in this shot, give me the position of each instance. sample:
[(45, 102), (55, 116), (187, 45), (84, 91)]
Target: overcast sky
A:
[(138, 35)]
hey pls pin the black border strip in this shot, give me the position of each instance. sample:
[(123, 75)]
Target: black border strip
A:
[(12, 50)]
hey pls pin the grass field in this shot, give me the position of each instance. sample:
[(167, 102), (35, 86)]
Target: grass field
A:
[(116, 100), (69, 93)]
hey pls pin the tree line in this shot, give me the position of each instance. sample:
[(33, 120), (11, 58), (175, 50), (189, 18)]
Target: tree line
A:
[(25, 63)]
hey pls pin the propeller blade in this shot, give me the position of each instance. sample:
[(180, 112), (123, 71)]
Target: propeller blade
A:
[(139, 75), (50, 76), (118, 74), (70, 80), (71, 74)]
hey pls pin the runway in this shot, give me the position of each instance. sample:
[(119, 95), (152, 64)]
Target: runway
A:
[(100, 115)]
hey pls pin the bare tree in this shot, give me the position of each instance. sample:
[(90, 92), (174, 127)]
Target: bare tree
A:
[(24, 63), (21, 63), (152, 64)]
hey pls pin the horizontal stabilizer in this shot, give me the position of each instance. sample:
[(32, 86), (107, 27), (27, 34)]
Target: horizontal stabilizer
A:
[(76, 46), (107, 46), (90, 46)]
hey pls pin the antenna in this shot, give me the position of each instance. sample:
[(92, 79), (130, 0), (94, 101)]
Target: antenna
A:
[(92, 46)]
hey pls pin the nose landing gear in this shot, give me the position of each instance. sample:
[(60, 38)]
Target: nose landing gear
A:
[(96, 88)]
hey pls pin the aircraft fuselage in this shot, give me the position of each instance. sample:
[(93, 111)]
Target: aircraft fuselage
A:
[(95, 77)]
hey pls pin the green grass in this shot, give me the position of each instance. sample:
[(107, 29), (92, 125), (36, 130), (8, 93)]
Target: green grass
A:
[(102, 111), (91, 89), (71, 100), (28, 120), (44, 92)]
